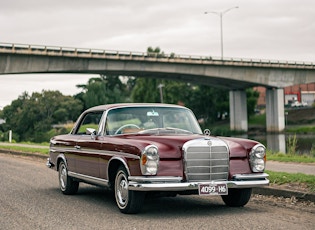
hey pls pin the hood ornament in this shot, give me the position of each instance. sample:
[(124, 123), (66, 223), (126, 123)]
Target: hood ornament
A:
[(207, 132)]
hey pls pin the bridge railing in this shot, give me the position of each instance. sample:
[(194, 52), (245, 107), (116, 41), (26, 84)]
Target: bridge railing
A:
[(148, 56)]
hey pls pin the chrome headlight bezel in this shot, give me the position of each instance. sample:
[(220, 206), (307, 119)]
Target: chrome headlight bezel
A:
[(257, 158), (149, 161)]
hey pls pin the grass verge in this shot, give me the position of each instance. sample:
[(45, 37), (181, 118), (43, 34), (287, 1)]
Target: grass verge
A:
[(301, 129), (281, 178), (290, 157), (25, 149)]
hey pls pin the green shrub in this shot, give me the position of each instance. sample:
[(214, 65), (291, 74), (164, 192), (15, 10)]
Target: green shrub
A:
[(292, 145)]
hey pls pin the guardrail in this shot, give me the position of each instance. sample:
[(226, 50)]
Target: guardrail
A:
[(147, 56)]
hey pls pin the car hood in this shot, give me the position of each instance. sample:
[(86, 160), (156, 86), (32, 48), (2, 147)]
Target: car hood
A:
[(170, 146), (239, 147)]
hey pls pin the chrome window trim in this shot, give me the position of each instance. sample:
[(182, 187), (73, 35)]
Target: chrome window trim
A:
[(143, 106)]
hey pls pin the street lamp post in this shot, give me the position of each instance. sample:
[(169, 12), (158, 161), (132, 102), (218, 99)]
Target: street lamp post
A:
[(221, 13), (160, 86)]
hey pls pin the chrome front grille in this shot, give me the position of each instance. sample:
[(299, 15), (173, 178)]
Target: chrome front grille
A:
[(206, 160)]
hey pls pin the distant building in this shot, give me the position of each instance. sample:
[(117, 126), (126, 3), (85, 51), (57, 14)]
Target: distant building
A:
[(303, 93)]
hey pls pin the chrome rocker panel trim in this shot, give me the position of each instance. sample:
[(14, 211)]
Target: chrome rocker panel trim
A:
[(89, 179)]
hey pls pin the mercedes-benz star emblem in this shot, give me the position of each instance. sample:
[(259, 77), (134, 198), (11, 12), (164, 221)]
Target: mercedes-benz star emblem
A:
[(207, 132)]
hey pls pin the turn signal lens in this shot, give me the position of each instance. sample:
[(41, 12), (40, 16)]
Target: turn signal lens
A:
[(144, 159)]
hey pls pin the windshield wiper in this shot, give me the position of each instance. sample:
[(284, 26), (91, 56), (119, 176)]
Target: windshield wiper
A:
[(178, 130), (165, 131)]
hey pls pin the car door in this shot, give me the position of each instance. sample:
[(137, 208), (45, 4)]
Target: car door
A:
[(87, 159), (64, 145), (88, 145)]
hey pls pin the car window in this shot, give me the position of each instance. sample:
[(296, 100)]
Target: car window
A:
[(136, 119), (90, 120)]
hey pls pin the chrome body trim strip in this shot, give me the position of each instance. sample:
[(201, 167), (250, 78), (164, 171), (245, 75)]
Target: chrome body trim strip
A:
[(94, 151), (255, 176), (155, 179), (89, 179)]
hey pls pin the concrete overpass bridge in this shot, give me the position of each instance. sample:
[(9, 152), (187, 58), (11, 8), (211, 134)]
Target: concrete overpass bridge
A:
[(235, 75)]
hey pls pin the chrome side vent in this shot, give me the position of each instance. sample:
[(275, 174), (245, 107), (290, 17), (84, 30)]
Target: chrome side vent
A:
[(206, 160)]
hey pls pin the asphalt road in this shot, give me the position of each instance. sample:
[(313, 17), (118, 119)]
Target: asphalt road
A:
[(30, 199)]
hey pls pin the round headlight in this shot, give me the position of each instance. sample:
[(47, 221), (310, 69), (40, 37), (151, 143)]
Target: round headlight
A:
[(257, 158), (260, 152), (149, 161), (259, 165)]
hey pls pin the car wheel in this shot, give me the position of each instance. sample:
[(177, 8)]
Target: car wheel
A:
[(237, 197), (67, 185), (127, 201)]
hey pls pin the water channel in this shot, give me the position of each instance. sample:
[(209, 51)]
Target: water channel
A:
[(279, 142)]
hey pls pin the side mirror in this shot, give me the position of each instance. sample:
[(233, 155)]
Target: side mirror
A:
[(91, 131)]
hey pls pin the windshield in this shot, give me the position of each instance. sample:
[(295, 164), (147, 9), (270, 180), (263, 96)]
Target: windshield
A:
[(151, 119)]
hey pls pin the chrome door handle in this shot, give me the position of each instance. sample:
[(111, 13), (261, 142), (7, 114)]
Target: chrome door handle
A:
[(77, 146)]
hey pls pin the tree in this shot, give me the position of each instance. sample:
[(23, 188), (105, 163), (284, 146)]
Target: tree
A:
[(12, 114), (252, 98), (208, 103), (31, 117), (103, 90), (146, 90)]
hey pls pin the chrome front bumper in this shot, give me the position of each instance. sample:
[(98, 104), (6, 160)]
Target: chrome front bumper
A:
[(48, 163), (176, 184)]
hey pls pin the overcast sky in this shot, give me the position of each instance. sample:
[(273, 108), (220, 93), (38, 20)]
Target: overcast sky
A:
[(260, 29)]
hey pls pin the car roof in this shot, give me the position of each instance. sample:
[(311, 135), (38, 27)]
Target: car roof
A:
[(121, 105)]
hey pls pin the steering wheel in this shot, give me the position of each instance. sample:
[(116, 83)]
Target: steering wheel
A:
[(126, 125)]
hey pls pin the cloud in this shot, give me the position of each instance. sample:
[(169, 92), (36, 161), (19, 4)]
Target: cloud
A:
[(278, 30)]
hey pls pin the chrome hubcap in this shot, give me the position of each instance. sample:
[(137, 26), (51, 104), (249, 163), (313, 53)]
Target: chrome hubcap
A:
[(122, 190), (63, 177)]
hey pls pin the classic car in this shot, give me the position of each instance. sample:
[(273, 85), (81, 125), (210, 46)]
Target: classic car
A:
[(142, 149)]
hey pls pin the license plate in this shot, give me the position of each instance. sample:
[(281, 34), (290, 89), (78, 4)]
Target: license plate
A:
[(213, 189)]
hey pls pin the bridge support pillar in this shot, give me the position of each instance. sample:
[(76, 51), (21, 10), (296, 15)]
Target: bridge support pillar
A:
[(275, 120), (238, 110)]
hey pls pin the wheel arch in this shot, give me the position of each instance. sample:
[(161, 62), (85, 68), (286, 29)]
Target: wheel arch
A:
[(113, 166), (61, 157)]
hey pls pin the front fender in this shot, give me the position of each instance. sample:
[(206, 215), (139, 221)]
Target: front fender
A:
[(114, 162), (60, 157)]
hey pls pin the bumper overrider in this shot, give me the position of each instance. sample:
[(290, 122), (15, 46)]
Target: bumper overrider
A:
[(177, 184)]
